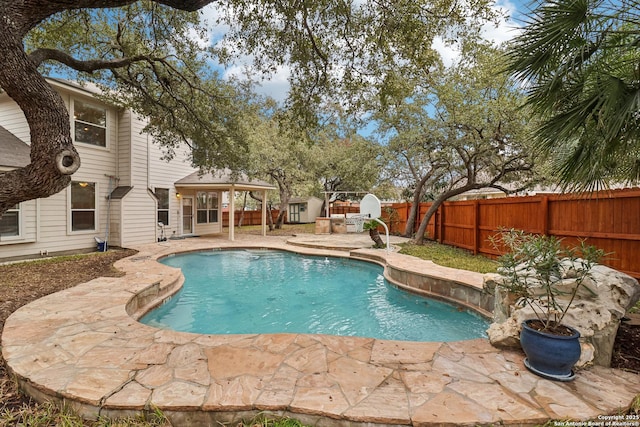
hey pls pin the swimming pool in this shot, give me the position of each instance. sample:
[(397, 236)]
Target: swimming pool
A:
[(270, 291)]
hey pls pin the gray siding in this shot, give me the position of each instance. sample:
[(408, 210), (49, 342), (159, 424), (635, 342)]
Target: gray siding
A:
[(164, 174)]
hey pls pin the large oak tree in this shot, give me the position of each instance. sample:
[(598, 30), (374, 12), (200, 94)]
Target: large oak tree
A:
[(53, 156), (141, 53), (467, 132)]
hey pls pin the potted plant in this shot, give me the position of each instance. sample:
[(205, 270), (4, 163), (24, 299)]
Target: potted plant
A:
[(539, 272), (372, 226)]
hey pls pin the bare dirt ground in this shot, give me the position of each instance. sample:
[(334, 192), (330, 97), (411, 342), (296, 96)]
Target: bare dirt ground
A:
[(22, 283)]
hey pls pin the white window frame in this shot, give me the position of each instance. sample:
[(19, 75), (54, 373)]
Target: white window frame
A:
[(20, 236), (96, 209), (167, 209), (207, 209), (74, 120)]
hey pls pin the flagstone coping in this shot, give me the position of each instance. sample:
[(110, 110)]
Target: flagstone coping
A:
[(82, 346)]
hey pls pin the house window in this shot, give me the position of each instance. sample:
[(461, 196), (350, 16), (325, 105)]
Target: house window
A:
[(83, 206), (162, 195), (207, 207), (10, 222), (90, 124)]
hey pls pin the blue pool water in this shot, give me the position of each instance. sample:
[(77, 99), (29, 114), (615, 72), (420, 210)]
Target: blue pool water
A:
[(268, 291)]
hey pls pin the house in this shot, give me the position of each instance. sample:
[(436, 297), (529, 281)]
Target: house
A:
[(124, 192), (304, 209)]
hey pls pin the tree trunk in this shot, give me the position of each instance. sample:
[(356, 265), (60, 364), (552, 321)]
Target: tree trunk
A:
[(269, 216), (419, 239), (244, 207), (284, 208), (285, 196), (375, 236), (281, 218), (53, 156), (414, 212)]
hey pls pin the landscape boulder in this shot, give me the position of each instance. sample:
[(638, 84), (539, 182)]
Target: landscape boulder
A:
[(595, 312)]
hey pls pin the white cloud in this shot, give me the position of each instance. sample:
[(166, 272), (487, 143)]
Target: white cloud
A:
[(203, 42), (276, 85), (508, 28), (210, 15), (448, 53), (498, 34)]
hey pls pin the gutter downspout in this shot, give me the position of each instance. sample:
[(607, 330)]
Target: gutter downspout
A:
[(149, 190), (113, 182)]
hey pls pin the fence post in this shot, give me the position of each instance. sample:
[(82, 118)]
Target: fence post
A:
[(544, 205), (441, 232), (436, 221), (476, 226)]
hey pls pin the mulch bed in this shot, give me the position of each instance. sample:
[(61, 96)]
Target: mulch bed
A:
[(23, 283), (626, 349)]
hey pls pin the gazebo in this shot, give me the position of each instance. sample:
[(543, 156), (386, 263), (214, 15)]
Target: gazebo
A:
[(203, 187)]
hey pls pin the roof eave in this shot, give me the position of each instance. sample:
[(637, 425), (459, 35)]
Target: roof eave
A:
[(237, 187)]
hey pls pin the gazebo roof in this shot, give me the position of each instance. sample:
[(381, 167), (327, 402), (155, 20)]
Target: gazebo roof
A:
[(225, 180), (222, 180)]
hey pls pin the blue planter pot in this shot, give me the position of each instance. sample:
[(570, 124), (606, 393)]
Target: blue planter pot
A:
[(548, 355)]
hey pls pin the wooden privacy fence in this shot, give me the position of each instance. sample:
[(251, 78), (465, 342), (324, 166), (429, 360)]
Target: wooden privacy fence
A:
[(250, 217), (609, 220), (255, 217)]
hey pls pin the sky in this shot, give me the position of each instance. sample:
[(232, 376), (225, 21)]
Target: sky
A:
[(277, 85)]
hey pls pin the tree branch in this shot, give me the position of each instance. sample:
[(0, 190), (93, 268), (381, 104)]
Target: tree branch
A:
[(29, 13), (38, 56), (186, 5)]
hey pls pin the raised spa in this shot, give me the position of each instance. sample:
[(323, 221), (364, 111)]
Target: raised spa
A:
[(269, 291)]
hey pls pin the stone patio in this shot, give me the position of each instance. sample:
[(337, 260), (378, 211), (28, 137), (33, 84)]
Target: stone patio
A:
[(83, 346)]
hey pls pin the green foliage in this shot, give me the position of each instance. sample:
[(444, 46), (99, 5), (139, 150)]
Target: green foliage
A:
[(265, 420), (277, 152), (151, 60), (535, 270), (467, 131), (635, 406), (160, 62), (370, 225), (326, 158), (345, 163), (344, 59), (50, 414), (579, 62), (362, 55), (449, 256)]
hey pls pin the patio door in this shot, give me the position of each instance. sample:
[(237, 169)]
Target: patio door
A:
[(187, 215)]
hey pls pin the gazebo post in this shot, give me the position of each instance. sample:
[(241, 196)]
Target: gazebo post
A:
[(264, 212), (232, 209), (326, 204)]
